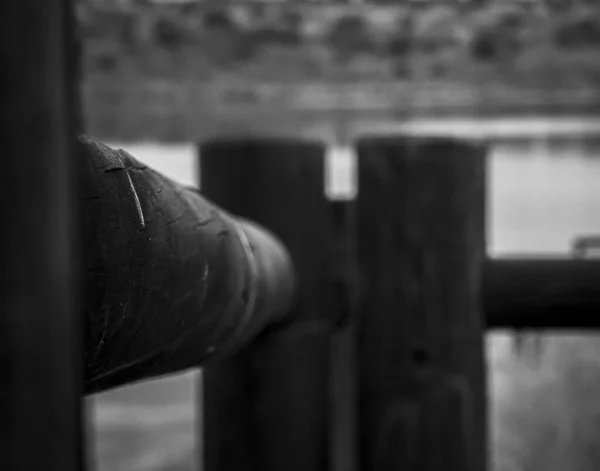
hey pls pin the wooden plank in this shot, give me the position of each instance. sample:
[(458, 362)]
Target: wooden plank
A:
[(267, 408), (40, 407), (421, 250)]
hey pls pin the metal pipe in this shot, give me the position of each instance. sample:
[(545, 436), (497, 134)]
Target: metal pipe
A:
[(544, 293), (172, 280)]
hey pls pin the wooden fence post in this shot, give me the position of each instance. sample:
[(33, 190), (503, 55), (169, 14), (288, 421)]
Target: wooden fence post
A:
[(266, 408), (41, 376), (421, 250)]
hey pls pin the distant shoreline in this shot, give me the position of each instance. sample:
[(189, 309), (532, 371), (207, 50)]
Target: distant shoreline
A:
[(175, 111)]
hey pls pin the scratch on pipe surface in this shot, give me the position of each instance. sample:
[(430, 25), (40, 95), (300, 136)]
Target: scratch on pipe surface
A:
[(178, 218), (206, 221), (222, 234), (138, 205)]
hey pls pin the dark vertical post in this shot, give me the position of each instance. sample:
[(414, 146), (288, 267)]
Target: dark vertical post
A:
[(40, 374), (421, 249), (346, 294), (266, 408)]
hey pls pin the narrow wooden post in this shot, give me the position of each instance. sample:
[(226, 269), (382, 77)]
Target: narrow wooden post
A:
[(40, 368), (266, 408), (421, 250)]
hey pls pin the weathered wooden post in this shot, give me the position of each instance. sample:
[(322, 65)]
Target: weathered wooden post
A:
[(421, 251), (266, 408), (40, 368)]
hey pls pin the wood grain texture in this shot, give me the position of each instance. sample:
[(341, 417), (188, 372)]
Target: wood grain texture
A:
[(421, 251), (267, 408), (40, 409)]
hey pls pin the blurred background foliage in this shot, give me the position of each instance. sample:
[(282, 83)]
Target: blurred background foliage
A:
[(521, 42)]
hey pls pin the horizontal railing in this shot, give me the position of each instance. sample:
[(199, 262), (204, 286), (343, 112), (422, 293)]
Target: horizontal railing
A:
[(171, 279)]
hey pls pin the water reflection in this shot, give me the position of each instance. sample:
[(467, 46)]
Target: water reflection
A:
[(538, 200), (541, 415)]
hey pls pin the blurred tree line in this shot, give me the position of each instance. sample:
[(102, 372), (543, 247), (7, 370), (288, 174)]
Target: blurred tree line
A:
[(449, 41)]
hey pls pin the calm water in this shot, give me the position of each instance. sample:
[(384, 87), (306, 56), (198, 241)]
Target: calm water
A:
[(539, 197)]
